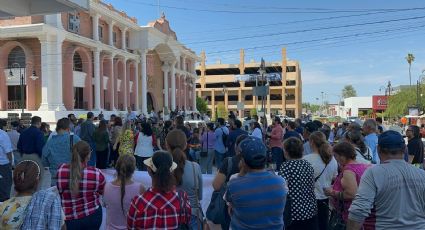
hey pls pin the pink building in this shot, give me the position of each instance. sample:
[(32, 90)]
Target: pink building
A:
[(99, 59)]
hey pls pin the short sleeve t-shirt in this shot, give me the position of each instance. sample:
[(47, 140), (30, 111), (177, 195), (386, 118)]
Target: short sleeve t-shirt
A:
[(328, 174)]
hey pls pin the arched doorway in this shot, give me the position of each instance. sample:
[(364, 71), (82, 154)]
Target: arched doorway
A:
[(16, 65), (150, 103)]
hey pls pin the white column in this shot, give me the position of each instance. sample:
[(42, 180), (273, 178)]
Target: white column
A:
[(184, 64), (144, 83), (123, 32), (185, 91), (194, 96), (112, 79), (136, 85), (173, 86), (165, 68), (111, 28), (96, 53), (96, 27), (124, 91), (51, 73)]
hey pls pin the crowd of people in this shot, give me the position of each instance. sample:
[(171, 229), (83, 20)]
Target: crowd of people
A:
[(286, 175)]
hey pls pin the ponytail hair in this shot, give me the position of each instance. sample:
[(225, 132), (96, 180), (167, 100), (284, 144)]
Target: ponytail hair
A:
[(176, 144), (80, 152), (125, 167), (163, 178), (318, 140)]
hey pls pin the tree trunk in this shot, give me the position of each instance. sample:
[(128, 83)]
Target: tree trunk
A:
[(410, 75)]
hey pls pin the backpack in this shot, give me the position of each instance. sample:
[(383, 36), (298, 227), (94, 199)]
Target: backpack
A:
[(224, 136)]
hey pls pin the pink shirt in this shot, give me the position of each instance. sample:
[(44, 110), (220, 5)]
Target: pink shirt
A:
[(276, 136), (115, 217), (358, 169)]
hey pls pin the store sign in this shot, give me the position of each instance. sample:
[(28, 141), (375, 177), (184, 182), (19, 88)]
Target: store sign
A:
[(379, 102)]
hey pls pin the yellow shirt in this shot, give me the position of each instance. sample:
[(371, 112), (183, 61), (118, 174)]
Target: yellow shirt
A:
[(12, 212)]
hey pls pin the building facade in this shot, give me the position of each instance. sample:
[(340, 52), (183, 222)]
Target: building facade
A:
[(99, 60), (233, 86)]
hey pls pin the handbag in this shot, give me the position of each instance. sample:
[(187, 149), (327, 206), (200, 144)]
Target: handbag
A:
[(197, 199), (336, 222), (216, 211), (204, 152), (287, 217), (182, 226)]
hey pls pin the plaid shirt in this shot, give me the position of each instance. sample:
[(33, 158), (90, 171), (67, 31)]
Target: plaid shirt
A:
[(88, 199), (155, 210), (44, 211)]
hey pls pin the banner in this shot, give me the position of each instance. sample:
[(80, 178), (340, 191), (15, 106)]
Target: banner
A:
[(254, 77), (379, 102)]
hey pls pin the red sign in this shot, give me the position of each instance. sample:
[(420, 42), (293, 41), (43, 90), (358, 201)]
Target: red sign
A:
[(379, 102)]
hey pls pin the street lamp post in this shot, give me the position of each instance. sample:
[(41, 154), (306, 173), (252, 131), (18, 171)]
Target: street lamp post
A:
[(22, 75), (262, 72)]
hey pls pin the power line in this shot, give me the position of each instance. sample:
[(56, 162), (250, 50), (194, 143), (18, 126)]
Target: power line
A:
[(304, 11), (309, 20), (312, 40), (309, 30)]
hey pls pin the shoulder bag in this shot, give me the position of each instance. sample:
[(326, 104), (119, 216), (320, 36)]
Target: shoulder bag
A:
[(336, 222), (200, 213), (216, 211), (204, 152), (182, 213), (317, 178)]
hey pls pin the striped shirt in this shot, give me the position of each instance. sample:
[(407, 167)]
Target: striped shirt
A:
[(397, 191), (257, 200)]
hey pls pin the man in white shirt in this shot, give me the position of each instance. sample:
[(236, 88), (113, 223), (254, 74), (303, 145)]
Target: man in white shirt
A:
[(131, 115), (5, 163), (14, 138)]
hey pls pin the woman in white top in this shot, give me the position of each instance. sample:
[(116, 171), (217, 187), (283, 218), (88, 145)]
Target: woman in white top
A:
[(144, 146), (256, 130), (325, 170), (363, 152)]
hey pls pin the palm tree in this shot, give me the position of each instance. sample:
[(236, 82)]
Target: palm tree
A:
[(410, 58)]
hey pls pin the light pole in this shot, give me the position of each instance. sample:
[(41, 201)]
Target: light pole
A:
[(261, 71), (22, 75)]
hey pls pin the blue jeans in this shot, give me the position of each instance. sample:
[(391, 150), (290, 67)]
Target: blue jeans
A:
[(219, 157), (92, 161), (206, 162), (277, 157), (195, 223), (92, 221), (195, 154)]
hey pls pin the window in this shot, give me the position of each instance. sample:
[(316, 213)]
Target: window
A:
[(77, 63), (100, 32), (126, 41), (291, 69), (74, 23), (78, 98), (17, 55), (114, 37)]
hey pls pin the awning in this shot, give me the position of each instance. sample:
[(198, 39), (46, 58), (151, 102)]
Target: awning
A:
[(12, 8)]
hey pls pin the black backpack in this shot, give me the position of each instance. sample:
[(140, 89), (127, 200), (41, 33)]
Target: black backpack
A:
[(224, 136)]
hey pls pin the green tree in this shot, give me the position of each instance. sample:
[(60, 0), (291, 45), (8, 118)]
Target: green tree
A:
[(348, 91), (312, 107), (201, 105), (221, 111), (399, 103), (410, 58), (253, 112)]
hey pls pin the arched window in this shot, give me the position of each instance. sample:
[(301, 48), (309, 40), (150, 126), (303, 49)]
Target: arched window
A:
[(78, 63), (17, 55)]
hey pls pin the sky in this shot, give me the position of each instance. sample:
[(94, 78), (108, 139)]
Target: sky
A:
[(363, 43)]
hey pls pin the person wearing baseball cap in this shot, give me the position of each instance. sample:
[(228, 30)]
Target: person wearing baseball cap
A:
[(394, 188), (257, 198)]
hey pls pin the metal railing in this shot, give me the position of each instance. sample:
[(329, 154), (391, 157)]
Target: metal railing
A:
[(15, 104)]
